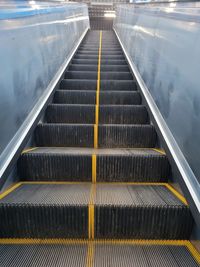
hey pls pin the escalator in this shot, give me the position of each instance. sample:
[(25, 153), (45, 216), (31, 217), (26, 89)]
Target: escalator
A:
[(94, 191)]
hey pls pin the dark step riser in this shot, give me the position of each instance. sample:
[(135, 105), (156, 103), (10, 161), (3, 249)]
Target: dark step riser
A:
[(95, 62), (142, 223), (112, 85), (104, 50), (93, 75), (89, 97), (94, 68), (109, 222), (103, 57), (83, 136), (50, 221), (85, 53), (107, 114), (96, 46), (110, 168)]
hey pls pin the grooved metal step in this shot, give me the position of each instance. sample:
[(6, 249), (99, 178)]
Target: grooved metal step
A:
[(89, 97), (94, 68), (120, 212), (110, 85), (142, 256), (112, 114), (107, 254), (93, 75), (109, 136), (103, 53), (103, 57), (75, 164), (95, 62)]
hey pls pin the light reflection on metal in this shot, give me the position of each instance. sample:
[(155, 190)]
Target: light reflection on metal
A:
[(164, 48), (32, 49)]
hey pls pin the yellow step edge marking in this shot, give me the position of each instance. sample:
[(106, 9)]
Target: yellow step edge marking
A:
[(94, 168), (106, 183), (195, 253), (177, 194), (90, 255), (99, 63), (97, 94), (186, 243), (54, 182), (159, 150), (95, 136), (91, 222), (91, 226), (29, 149), (9, 190)]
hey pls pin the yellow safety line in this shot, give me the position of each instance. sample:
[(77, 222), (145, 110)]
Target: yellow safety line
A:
[(99, 62), (9, 190), (97, 94), (96, 131), (55, 182), (177, 194), (195, 253), (91, 226), (160, 151), (90, 255), (94, 168), (98, 241), (29, 149)]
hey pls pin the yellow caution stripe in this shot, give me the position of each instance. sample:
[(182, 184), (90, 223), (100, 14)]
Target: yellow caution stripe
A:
[(29, 149), (159, 150), (176, 193), (9, 190), (91, 223), (94, 169)]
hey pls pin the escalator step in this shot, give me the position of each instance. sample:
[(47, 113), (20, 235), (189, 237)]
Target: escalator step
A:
[(103, 57), (89, 97), (140, 212), (75, 164), (95, 62), (111, 75), (127, 136), (70, 135), (121, 114), (109, 136), (110, 85), (75, 97), (105, 254), (120, 212), (46, 211), (142, 255), (119, 98), (87, 75), (77, 67), (114, 114), (93, 75), (45, 255), (61, 113), (118, 85), (103, 53)]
